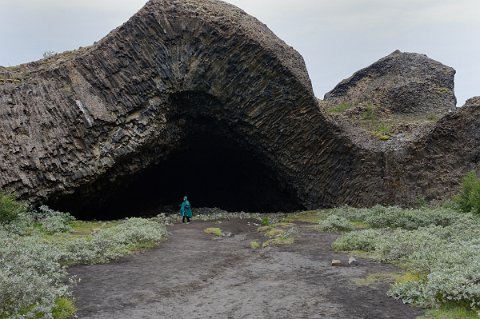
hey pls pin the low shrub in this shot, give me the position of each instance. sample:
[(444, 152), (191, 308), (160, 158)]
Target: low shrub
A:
[(10, 208), (440, 245), (34, 282), (31, 277), (364, 240), (468, 200), (336, 223), (265, 221), (54, 221), (114, 242), (396, 217)]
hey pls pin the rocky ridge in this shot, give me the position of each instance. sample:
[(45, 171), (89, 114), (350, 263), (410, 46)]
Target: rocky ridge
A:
[(401, 83)]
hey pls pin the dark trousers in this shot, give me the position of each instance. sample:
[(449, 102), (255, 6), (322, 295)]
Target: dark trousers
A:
[(183, 219)]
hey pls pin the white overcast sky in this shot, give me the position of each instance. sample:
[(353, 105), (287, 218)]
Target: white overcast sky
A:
[(336, 37)]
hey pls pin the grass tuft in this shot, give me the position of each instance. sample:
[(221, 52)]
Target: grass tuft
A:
[(254, 244), (214, 231), (64, 308)]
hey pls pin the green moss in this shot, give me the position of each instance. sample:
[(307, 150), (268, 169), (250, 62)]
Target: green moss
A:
[(10, 208), (214, 231)]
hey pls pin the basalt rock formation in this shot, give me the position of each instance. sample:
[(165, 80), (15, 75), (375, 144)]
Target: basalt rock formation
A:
[(196, 97), (401, 83)]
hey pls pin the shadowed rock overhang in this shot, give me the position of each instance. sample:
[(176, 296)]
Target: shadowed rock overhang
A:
[(199, 93)]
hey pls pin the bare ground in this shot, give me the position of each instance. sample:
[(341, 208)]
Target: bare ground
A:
[(194, 275)]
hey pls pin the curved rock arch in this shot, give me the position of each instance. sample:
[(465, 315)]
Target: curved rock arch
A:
[(78, 122)]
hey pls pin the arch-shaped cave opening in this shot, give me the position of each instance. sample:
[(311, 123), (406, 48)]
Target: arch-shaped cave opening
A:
[(212, 166)]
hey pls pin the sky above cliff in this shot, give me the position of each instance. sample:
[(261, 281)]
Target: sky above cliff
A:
[(336, 38)]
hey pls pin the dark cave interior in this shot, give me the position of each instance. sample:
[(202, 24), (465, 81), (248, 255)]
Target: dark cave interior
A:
[(212, 170)]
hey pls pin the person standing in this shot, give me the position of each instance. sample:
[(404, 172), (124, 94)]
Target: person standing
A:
[(185, 210)]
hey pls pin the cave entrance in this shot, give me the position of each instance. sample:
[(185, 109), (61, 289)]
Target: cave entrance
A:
[(213, 165), (211, 169)]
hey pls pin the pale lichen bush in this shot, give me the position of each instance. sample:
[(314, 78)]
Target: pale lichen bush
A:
[(33, 273), (31, 276), (335, 223), (440, 244)]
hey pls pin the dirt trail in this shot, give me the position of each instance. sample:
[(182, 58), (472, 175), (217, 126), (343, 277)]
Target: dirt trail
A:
[(193, 275)]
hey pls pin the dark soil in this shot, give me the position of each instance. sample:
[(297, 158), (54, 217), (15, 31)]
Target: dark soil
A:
[(194, 275)]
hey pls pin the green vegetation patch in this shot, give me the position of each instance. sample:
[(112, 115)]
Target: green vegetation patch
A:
[(379, 277), (278, 234), (438, 248), (336, 223), (214, 231), (312, 216), (279, 241), (339, 108), (254, 244), (10, 208), (37, 246), (64, 308), (468, 200), (450, 312)]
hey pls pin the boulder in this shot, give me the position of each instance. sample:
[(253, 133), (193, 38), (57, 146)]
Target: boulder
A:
[(336, 263)]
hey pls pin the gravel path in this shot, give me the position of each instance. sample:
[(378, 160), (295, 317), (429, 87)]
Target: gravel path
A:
[(193, 275)]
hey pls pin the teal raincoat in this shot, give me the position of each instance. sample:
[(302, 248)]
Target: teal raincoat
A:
[(186, 209)]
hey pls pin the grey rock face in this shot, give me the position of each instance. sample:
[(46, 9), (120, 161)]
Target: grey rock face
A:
[(202, 80), (474, 101), (400, 82)]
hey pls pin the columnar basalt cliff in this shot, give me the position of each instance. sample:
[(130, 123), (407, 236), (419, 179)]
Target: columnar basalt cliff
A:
[(197, 97)]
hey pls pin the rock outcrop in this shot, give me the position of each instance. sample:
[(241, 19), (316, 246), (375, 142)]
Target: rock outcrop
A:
[(195, 96), (474, 101), (401, 83)]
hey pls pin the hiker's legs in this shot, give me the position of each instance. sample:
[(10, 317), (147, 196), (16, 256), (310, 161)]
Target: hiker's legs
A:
[(183, 219), (188, 219)]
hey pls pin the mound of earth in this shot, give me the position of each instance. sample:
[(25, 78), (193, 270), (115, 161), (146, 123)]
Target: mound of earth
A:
[(196, 97)]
